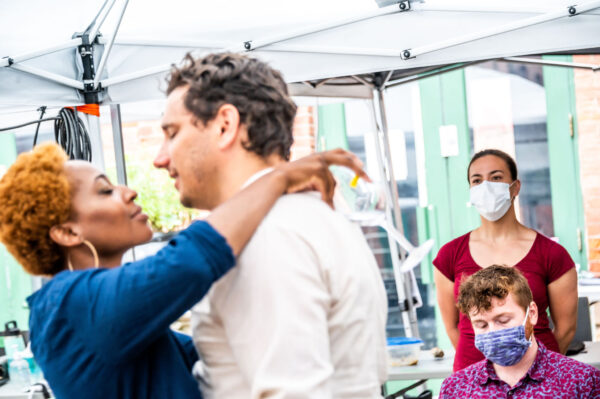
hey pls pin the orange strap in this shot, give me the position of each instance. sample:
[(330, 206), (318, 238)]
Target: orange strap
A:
[(91, 109)]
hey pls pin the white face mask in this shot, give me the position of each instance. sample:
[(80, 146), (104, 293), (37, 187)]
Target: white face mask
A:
[(491, 199)]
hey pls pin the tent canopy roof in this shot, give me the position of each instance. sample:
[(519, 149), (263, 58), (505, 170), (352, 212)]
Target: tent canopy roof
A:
[(302, 40)]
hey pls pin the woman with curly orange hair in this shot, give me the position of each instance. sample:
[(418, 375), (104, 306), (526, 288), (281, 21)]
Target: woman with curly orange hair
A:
[(102, 331)]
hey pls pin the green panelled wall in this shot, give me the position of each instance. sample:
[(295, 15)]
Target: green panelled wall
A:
[(332, 127), (15, 284), (567, 203), (446, 216)]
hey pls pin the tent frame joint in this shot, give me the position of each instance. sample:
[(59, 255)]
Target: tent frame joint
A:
[(86, 52), (404, 5), (572, 11)]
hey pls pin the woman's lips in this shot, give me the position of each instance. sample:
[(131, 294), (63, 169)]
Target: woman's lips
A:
[(138, 214)]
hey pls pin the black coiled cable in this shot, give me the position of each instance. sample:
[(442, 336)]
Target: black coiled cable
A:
[(69, 132)]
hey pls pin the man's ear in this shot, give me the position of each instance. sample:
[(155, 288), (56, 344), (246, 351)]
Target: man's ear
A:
[(65, 235), (228, 122), (533, 313)]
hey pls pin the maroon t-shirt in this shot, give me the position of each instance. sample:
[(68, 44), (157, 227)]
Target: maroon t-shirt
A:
[(545, 262)]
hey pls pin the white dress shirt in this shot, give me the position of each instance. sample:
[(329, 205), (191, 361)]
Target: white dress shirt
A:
[(301, 316)]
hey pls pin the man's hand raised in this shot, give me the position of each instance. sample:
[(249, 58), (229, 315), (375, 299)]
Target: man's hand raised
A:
[(312, 172)]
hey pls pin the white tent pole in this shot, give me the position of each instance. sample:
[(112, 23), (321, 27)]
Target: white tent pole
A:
[(368, 51), (523, 23), (91, 25), (76, 84), (392, 245), (540, 61), (392, 210), (93, 125), (387, 78), (8, 61), (479, 6), (107, 49), (428, 74), (362, 81), (256, 44), (172, 43), (98, 23), (117, 130), (147, 72), (387, 157), (395, 207), (135, 75)]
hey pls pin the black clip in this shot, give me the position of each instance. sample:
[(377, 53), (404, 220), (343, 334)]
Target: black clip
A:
[(86, 52)]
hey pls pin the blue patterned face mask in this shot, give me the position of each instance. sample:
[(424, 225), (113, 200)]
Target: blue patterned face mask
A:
[(504, 347)]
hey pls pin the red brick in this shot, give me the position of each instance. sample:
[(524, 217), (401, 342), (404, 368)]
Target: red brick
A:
[(587, 89), (303, 132), (304, 118)]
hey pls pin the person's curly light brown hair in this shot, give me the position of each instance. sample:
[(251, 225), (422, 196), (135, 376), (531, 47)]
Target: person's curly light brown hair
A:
[(35, 195), (257, 91), (477, 291)]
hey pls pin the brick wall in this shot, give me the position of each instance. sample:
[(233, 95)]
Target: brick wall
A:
[(304, 133), (587, 86)]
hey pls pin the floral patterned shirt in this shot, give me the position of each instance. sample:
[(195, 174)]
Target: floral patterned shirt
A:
[(551, 375)]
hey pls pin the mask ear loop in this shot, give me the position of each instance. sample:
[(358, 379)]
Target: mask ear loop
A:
[(509, 186), (526, 316), (525, 323), (94, 253)]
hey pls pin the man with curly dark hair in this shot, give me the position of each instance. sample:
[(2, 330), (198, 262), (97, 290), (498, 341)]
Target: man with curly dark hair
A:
[(304, 314), (499, 303)]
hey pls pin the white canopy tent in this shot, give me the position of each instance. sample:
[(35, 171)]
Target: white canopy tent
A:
[(68, 52), (40, 64)]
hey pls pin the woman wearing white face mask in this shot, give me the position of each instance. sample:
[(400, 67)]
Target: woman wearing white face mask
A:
[(501, 239)]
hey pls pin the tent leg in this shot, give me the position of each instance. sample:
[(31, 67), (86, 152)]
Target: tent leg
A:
[(117, 130), (403, 282), (93, 124)]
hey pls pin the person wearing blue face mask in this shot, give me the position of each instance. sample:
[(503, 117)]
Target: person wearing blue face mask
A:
[(500, 306), (502, 239)]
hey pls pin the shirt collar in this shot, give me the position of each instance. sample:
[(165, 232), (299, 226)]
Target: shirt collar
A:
[(256, 176), (485, 372), (537, 371)]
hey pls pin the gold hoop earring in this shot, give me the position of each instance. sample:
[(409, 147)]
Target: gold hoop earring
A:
[(94, 254)]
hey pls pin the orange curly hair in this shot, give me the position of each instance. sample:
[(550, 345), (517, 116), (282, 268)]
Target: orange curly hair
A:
[(35, 195)]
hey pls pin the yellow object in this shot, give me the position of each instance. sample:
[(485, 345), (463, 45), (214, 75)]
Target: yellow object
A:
[(354, 181)]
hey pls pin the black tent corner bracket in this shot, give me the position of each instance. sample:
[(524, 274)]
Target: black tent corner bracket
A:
[(86, 52)]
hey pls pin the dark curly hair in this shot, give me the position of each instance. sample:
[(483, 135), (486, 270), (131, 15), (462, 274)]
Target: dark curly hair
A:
[(477, 291), (257, 91), (510, 162), (35, 195)]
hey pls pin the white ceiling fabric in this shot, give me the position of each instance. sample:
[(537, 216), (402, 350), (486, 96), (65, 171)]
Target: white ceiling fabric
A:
[(179, 26)]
